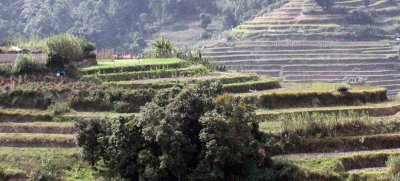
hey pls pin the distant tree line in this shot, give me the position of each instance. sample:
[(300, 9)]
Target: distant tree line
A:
[(116, 23)]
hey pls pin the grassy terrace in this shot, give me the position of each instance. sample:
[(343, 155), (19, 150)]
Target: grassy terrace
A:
[(23, 115), (224, 77), (38, 127), (132, 62), (94, 115), (337, 167), (344, 60), (37, 140), (293, 88), (152, 74), (19, 163), (339, 124), (314, 95), (381, 109)]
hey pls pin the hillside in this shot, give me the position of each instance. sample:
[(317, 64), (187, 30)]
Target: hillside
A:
[(125, 26), (301, 42), (38, 114)]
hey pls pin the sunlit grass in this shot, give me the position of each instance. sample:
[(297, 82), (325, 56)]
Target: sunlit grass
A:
[(133, 62)]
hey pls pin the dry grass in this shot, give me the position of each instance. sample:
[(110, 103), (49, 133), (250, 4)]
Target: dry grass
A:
[(36, 140), (38, 127)]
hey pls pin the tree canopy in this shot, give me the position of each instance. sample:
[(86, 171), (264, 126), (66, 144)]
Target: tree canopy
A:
[(120, 24), (183, 134)]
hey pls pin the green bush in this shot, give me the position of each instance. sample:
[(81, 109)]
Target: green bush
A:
[(65, 49), (393, 165), (25, 64), (365, 32), (89, 47), (5, 70), (117, 100), (58, 109), (326, 125), (361, 16), (26, 98)]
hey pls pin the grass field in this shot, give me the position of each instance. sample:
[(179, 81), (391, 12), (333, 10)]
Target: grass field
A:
[(133, 62)]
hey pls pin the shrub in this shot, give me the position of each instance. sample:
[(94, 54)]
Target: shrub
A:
[(343, 89), (162, 47), (65, 49), (325, 4), (26, 98), (205, 20), (58, 109), (5, 70), (363, 32), (122, 107), (393, 165), (89, 47), (325, 125), (361, 16), (25, 64)]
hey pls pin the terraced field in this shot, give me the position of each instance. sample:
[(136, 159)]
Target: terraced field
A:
[(295, 45), (34, 133), (300, 43)]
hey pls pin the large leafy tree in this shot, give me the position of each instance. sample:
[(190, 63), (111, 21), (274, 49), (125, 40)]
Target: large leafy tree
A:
[(183, 134)]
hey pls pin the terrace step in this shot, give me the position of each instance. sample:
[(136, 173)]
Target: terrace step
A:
[(298, 55), (272, 73), (38, 127), (265, 47), (23, 115), (315, 61), (337, 154), (299, 51), (384, 82), (341, 67), (154, 74), (345, 73), (37, 140), (374, 110), (346, 144), (371, 169), (224, 77), (341, 77)]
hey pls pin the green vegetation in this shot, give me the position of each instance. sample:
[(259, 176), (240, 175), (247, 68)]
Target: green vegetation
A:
[(312, 95), (393, 165), (132, 65), (333, 125), (162, 47), (251, 85), (66, 50), (336, 167), (376, 110), (25, 64), (223, 130), (152, 74)]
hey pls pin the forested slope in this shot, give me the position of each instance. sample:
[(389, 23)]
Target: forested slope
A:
[(121, 24)]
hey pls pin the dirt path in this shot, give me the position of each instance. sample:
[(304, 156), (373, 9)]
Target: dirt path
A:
[(334, 154)]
